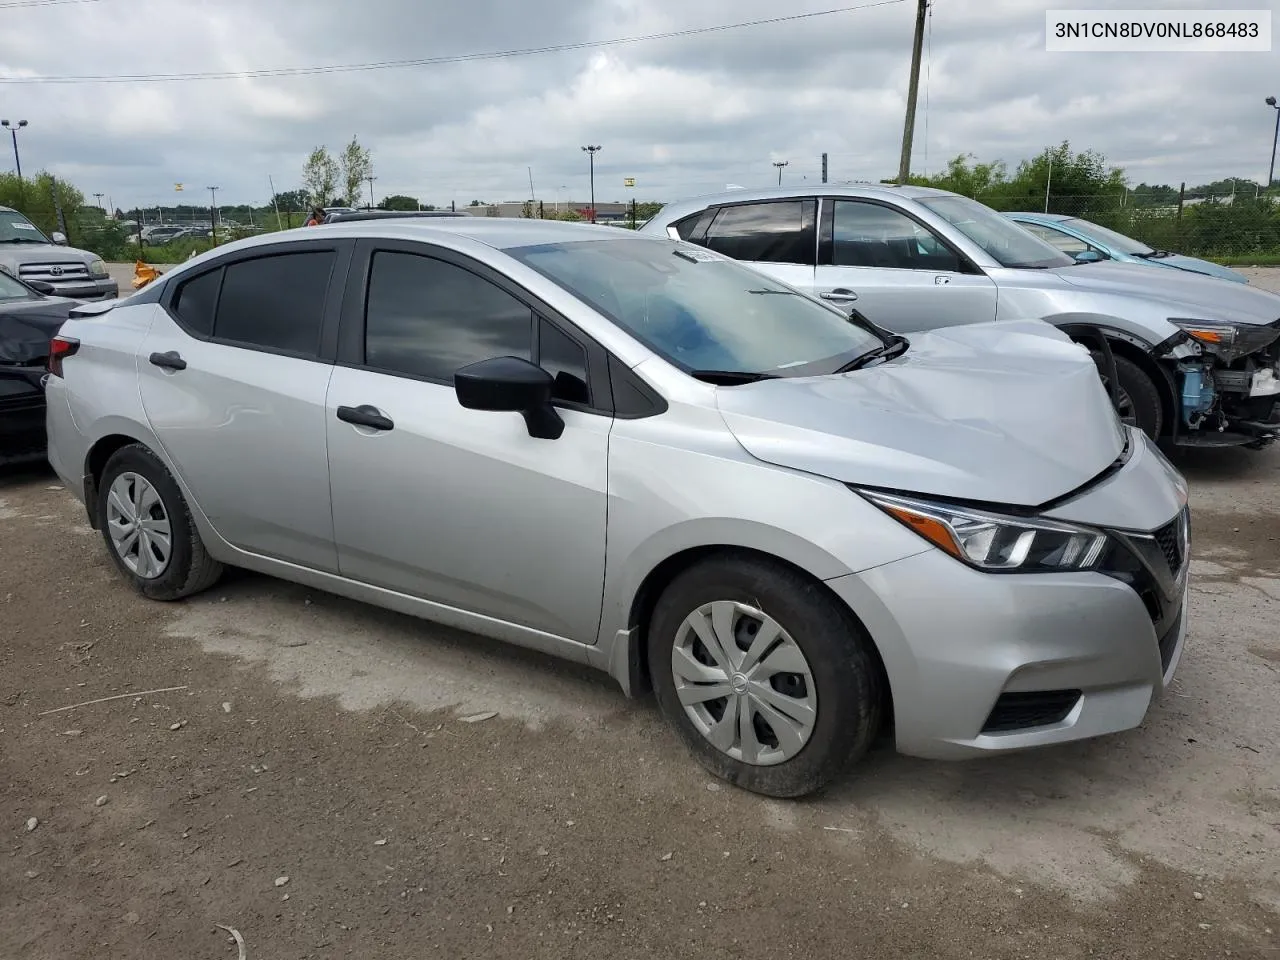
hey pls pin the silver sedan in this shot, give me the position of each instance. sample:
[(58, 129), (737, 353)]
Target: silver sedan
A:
[(638, 454)]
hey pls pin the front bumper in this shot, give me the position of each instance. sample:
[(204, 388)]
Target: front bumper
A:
[(106, 289), (982, 663)]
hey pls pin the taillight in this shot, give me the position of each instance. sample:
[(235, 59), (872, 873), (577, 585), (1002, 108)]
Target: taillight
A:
[(59, 349)]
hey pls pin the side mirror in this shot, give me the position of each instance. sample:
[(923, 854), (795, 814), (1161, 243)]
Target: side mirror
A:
[(1088, 256), (512, 385), (59, 239), (40, 286)]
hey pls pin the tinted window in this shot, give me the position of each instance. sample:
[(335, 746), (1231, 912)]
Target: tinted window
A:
[(565, 360), (427, 318), (275, 302), (871, 235), (763, 232), (685, 227), (195, 302)]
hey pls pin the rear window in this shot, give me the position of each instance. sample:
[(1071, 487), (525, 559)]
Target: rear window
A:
[(195, 302), (275, 302)]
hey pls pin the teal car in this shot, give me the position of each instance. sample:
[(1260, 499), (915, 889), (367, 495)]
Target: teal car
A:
[(1087, 241)]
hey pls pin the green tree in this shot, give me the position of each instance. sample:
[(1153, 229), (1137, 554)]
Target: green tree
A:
[(39, 198), (963, 178), (357, 166), (320, 177), (398, 201)]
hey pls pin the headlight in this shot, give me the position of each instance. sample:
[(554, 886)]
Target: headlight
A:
[(98, 269), (993, 542), (1228, 341)]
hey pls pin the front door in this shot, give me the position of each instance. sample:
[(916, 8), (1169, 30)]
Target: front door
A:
[(896, 271), (463, 507)]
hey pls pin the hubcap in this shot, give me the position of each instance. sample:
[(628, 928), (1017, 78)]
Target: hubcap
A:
[(139, 526), (744, 683)]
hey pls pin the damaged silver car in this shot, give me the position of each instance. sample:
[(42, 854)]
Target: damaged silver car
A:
[(1191, 360)]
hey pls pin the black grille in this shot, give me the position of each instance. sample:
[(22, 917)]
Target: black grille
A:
[(1171, 544), (1169, 641), (1019, 711)]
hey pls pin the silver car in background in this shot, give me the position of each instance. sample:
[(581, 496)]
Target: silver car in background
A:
[(1196, 359), (643, 456)]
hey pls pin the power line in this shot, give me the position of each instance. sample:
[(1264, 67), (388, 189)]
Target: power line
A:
[(431, 61), (15, 4)]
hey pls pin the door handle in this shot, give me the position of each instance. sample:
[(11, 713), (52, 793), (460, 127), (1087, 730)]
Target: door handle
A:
[(839, 295), (170, 360), (365, 416)]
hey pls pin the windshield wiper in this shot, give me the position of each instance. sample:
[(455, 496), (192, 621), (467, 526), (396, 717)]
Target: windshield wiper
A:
[(784, 293), (730, 378), (896, 347), (23, 240)]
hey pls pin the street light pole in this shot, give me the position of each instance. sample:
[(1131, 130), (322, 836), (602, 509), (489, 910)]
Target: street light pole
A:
[(780, 164), (98, 197), (17, 161), (213, 214), (591, 154), (1271, 171), (370, 180)]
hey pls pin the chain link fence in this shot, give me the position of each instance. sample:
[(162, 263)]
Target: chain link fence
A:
[(1240, 228)]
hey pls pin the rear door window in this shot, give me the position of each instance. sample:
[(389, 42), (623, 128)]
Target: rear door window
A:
[(776, 231), (275, 302)]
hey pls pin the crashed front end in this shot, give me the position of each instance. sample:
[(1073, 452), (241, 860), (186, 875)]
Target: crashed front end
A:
[(1226, 381)]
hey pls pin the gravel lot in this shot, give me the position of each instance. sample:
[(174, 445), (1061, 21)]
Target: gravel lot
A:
[(326, 742)]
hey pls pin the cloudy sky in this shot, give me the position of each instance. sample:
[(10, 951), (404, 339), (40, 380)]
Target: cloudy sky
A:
[(682, 115)]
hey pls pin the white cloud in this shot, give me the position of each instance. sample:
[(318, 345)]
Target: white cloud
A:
[(682, 115)]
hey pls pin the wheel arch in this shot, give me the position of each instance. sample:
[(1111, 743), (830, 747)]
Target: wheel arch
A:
[(635, 650), (1134, 349)]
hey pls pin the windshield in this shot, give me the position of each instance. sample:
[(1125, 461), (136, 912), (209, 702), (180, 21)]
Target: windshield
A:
[(702, 311), (1008, 243), (11, 289), (15, 228), (1118, 242)]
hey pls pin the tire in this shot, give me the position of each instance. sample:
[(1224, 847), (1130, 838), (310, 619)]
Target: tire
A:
[(841, 673), (186, 567), (1140, 404)]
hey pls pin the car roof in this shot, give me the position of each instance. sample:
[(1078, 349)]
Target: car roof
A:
[(681, 208), (1032, 215), (500, 233), (389, 215)]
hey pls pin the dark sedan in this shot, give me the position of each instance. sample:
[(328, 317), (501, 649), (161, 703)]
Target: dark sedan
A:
[(28, 320)]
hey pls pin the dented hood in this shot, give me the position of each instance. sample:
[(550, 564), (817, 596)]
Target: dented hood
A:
[(1008, 412)]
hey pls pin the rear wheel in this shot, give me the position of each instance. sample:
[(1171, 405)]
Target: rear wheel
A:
[(763, 675), (148, 528)]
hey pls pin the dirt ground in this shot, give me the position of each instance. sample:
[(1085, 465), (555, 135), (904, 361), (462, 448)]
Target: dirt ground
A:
[(328, 743)]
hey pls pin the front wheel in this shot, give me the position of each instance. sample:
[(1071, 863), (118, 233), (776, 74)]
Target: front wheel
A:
[(1137, 397), (765, 677)]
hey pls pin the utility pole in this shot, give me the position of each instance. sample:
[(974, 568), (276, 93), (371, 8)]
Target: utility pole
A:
[(1271, 174), (369, 180), (824, 168), (213, 214), (17, 161), (591, 154), (780, 164), (98, 197), (908, 129)]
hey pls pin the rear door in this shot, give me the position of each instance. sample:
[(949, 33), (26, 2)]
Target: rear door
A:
[(896, 271), (233, 378)]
